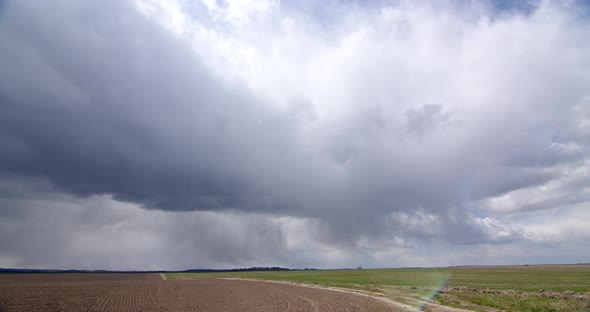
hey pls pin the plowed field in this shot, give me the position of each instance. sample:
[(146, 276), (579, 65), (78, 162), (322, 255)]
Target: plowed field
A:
[(148, 292)]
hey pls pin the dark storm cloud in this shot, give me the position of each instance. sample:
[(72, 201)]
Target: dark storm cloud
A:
[(127, 109), (100, 234), (124, 108), (98, 99)]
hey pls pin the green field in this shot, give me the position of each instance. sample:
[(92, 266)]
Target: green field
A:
[(509, 288)]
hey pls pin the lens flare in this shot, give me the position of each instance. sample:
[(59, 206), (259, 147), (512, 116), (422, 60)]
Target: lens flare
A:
[(434, 294)]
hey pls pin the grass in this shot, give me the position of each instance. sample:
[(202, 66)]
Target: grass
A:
[(398, 277), (532, 278), (515, 303), (531, 288)]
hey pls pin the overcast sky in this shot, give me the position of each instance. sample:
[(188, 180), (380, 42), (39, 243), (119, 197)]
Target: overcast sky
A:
[(175, 134)]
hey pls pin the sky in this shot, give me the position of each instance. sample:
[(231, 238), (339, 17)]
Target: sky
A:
[(176, 134)]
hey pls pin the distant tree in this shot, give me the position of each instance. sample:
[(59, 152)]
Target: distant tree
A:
[(359, 267)]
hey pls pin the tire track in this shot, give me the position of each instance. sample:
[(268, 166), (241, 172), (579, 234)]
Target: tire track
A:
[(433, 306), (316, 299), (398, 306)]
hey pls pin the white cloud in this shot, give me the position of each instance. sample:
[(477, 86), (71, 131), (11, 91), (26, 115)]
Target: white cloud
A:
[(239, 12)]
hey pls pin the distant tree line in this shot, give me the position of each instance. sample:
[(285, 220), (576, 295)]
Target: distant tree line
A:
[(257, 268), (274, 268)]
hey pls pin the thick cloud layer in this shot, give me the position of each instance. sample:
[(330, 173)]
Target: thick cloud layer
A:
[(314, 133)]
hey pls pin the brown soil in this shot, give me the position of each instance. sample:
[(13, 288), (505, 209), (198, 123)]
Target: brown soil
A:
[(148, 292)]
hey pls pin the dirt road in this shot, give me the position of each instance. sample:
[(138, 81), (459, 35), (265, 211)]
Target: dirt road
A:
[(148, 292)]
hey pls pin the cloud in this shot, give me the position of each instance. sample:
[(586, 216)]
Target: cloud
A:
[(239, 12), (409, 122), (571, 187), (101, 233), (425, 119), (140, 119)]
